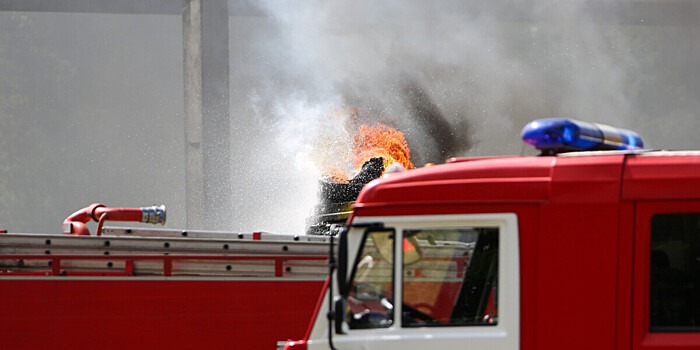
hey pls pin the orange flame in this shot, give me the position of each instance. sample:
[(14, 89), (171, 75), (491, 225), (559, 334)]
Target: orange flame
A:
[(368, 141), (381, 141)]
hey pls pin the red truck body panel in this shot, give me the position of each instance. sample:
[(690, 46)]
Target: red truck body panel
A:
[(77, 313), (583, 262), (158, 289)]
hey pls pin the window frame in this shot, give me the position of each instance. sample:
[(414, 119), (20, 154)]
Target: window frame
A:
[(669, 328), (505, 334), (643, 337)]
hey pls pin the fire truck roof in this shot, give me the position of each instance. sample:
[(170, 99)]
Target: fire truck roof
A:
[(588, 177)]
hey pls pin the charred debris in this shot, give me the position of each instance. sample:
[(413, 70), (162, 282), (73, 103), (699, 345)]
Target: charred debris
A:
[(336, 199)]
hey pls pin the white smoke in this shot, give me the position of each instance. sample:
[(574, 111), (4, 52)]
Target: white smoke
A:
[(480, 69), (91, 105), (462, 79)]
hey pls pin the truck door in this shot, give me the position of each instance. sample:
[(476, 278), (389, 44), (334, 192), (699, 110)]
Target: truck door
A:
[(439, 282), (666, 287)]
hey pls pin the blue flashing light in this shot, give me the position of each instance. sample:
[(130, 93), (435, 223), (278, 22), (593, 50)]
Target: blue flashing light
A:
[(557, 135)]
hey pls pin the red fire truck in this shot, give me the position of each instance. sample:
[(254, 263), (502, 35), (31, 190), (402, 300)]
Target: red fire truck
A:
[(568, 250), (139, 288), (579, 250)]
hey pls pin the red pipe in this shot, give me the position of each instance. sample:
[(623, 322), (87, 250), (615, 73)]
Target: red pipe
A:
[(76, 223)]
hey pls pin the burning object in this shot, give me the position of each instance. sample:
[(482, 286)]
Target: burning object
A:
[(381, 141), (375, 149)]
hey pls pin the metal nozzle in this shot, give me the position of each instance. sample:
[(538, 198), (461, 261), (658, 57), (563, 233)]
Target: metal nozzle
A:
[(153, 215)]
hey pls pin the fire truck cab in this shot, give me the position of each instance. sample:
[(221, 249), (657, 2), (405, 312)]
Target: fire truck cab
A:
[(581, 250)]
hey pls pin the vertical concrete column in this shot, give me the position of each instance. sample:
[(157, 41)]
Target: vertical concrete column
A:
[(207, 120)]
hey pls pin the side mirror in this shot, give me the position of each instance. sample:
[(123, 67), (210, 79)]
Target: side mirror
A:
[(339, 315), (342, 262)]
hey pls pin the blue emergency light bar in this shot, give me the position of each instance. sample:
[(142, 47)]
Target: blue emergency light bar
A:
[(557, 135)]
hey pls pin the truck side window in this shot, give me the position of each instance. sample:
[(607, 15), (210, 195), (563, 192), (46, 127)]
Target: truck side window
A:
[(371, 295), (675, 273), (454, 283)]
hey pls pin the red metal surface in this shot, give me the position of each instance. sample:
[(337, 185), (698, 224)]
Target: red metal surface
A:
[(662, 177), (490, 180), (301, 344), (59, 313)]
